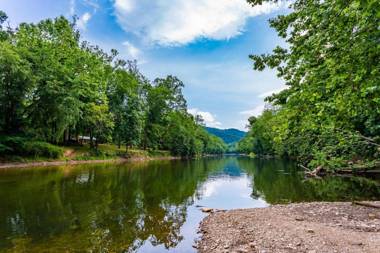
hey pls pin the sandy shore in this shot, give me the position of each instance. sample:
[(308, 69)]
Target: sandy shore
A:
[(306, 227)]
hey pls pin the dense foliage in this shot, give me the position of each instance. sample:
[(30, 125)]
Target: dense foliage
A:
[(330, 113), (56, 88)]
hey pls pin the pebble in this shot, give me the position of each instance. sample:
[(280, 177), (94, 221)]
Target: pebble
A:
[(372, 216)]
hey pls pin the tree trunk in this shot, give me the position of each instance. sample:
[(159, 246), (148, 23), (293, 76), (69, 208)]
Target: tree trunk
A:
[(91, 140), (367, 204)]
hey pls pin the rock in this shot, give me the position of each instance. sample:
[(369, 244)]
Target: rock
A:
[(372, 216), (310, 231), (252, 245), (226, 246), (299, 219), (207, 210)]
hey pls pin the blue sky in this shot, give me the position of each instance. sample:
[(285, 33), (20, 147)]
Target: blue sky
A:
[(205, 43)]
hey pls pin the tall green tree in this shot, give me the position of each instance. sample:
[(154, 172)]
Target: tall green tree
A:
[(331, 67), (126, 105), (163, 97), (16, 83), (50, 47)]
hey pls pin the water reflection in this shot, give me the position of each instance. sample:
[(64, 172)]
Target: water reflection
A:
[(280, 182), (145, 207)]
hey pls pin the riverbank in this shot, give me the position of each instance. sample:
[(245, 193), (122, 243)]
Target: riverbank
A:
[(73, 162), (75, 155), (306, 227)]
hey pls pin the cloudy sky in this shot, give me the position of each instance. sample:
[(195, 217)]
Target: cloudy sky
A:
[(205, 43)]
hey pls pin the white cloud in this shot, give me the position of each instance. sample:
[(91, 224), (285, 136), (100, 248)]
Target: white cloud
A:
[(132, 51), (209, 118), (83, 20), (241, 124), (124, 6), (178, 22), (256, 111), (92, 4), (270, 93), (210, 188)]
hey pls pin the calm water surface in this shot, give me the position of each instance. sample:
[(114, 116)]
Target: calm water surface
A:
[(146, 207)]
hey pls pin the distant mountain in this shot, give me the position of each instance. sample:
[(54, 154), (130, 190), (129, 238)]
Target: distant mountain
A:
[(227, 135)]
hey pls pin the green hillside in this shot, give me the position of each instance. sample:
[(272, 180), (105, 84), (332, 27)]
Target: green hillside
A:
[(229, 136)]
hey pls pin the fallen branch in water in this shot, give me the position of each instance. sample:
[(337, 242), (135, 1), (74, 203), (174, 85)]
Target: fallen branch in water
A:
[(361, 167), (318, 172), (304, 167), (368, 140), (366, 204), (358, 169)]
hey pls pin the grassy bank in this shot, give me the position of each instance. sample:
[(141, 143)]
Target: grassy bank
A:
[(41, 153), (109, 152)]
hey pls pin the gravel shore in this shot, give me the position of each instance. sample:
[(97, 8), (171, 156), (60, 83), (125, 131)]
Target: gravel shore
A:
[(306, 227)]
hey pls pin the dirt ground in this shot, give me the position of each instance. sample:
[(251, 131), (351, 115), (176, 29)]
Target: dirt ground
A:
[(306, 227)]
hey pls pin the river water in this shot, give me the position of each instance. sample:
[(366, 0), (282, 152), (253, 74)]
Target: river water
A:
[(147, 207)]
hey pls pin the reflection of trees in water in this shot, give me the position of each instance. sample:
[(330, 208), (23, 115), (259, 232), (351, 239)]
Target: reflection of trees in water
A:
[(121, 207), (99, 208), (278, 181), (274, 180)]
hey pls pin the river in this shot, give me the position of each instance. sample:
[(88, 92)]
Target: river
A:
[(147, 207)]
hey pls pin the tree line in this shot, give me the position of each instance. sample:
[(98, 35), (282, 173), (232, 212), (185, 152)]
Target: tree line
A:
[(329, 115), (54, 87)]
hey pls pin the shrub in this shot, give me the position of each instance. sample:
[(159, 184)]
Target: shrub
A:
[(42, 149), (22, 146), (5, 149)]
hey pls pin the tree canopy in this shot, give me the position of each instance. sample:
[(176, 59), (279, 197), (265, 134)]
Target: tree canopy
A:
[(330, 112), (56, 88)]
